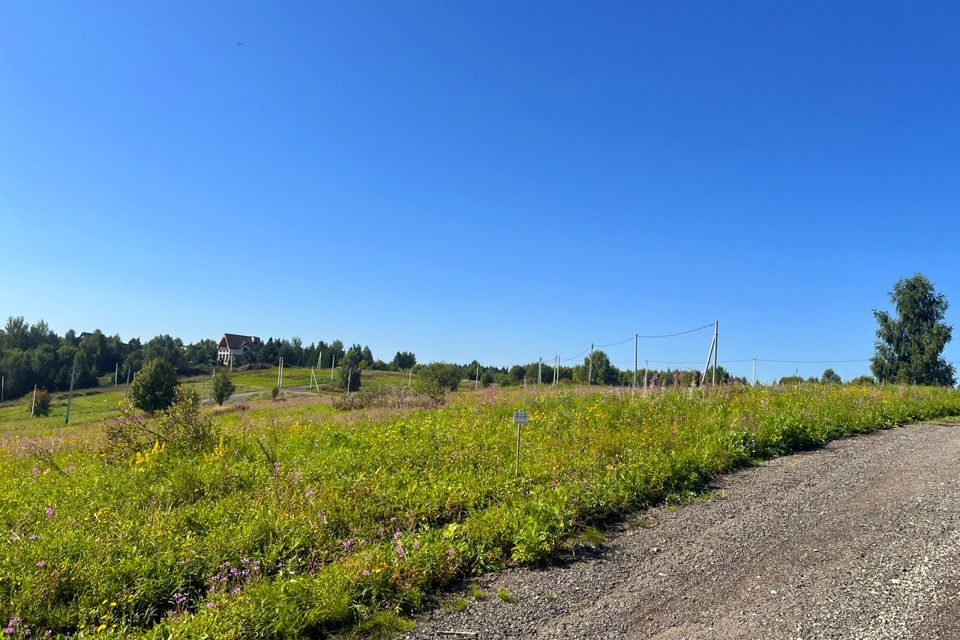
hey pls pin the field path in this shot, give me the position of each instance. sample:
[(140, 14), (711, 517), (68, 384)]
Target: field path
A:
[(860, 539)]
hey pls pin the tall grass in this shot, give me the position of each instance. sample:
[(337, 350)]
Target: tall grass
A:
[(295, 528)]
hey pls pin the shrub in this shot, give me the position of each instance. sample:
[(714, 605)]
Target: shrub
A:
[(275, 392), (436, 378), (350, 378), (222, 388), (182, 427), (40, 405), (155, 386)]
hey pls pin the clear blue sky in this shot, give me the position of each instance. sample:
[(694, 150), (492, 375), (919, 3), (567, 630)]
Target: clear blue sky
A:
[(490, 180)]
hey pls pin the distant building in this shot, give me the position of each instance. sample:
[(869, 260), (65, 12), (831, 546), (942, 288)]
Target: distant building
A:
[(233, 347)]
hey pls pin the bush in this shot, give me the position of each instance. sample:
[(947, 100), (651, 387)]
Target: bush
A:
[(436, 378), (40, 406), (155, 386), (182, 427), (275, 392), (222, 388), (350, 376)]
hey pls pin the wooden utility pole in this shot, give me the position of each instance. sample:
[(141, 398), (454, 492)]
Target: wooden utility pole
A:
[(116, 375), (646, 373), (33, 404), (476, 384), (540, 372), (754, 372), (636, 362)]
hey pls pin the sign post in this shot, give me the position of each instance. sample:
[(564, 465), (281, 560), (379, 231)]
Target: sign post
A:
[(519, 419)]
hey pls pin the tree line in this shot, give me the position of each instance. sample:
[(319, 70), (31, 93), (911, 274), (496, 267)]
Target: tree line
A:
[(34, 354)]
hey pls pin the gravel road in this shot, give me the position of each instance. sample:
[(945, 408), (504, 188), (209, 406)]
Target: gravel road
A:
[(860, 539)]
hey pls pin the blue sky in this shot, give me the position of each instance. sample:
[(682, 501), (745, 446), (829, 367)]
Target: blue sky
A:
[(490, 180)]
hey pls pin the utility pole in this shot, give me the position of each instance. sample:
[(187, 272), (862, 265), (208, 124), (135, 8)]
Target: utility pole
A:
[(116, 375), (590, 369), (333, 363), (540, 372), (126, 388), (636, 362), (646, 372), (319, 358), (349, 376), (66, 419), (556, 372), (476, 384), (706, 365), (716, 335), (754, 372), (2, 380), (33, 405), (280, 373), (410, 379)]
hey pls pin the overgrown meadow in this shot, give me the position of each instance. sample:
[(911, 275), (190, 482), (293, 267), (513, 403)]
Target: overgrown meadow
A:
[(315, 525)]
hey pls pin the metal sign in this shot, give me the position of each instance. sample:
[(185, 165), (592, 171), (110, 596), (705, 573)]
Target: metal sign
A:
[(519, 417)]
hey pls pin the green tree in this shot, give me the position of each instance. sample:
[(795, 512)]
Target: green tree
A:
[(222, 387), (436, 378), (830, 377), (909, 346), (403, 360), (350, 377), (155, 386)]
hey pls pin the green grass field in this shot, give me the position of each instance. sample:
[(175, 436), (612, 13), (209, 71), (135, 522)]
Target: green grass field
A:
[(305, 521)]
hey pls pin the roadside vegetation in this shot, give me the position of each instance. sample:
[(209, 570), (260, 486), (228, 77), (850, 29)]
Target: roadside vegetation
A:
[(306, 521)]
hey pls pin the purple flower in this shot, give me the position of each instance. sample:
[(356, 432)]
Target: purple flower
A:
[(14, 536), (36, 471), (235, 590), (400, 551), (31, 537), (211, 605), (346, 544), (49, 511), (42, 563), (396, 534), (8, 631), (366, 572), (309, 493), (179, 599), (451, 552)]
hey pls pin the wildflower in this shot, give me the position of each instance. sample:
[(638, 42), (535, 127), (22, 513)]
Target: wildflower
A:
[(36, 471), (346, 544), (14, 536), (309, 493), (451, 552), (400, 551), (9, 631), (396, 534), (49, 511), (42, 563), (366, 572), (31, 537), (211, 605), (235, 591), (178, 599)]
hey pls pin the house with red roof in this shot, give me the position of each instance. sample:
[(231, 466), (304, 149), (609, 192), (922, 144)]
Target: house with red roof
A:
[(233, 347)]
